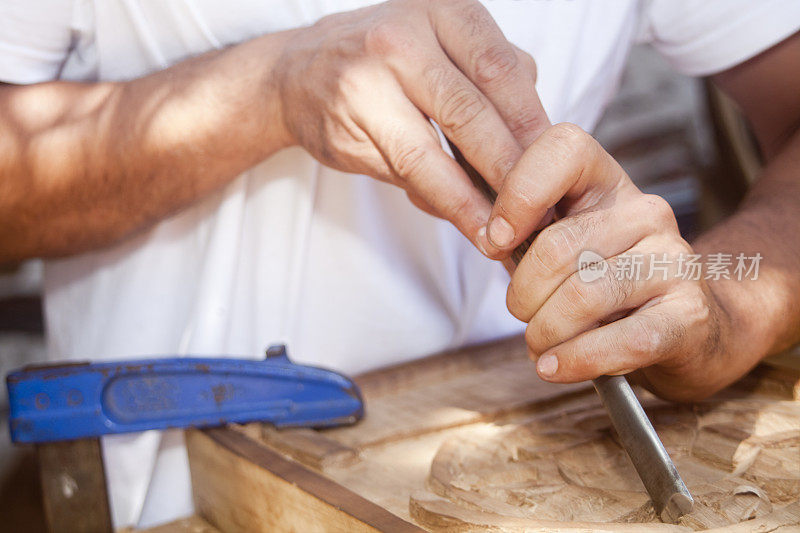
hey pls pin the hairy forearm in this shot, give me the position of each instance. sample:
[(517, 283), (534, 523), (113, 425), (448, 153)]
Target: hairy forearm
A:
[(84, 165), (765, 312)]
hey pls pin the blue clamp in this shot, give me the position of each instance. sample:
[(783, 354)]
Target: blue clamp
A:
[(78, 400)]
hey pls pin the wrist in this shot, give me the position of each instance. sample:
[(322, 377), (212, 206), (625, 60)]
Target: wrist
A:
[(761, 308), (741, 334), (255, 65), (748, 326), (276, 47)]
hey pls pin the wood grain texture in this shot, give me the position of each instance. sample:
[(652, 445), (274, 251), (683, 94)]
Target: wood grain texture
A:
[(74, 486), (739, 458), (241, 486), (191, 524), (473, 440)]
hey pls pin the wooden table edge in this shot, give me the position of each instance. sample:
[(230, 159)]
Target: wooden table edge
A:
[(313, 483)]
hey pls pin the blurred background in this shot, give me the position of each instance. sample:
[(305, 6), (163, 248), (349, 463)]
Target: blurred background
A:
[(674, 135)]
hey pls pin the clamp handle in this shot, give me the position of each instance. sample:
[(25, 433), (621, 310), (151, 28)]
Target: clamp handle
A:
[(78, 400)]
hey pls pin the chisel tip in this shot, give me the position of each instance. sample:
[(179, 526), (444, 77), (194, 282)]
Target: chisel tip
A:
[(678, 504)]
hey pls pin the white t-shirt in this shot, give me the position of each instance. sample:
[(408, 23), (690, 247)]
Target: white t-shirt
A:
[(340, 267)]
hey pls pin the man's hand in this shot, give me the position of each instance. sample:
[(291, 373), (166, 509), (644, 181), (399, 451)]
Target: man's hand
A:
[(688, 337), (83, 165), (357, 89), (630, 316)]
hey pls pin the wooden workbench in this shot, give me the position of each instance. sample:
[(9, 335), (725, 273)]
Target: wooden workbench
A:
[(473, 440)]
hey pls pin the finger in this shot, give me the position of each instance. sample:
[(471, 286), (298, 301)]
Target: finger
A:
[(565, 163), (465, 115), (559, 250), (644, 338), (421, 204), (503, 72), (530, 123), (584, 302), (411, 148)]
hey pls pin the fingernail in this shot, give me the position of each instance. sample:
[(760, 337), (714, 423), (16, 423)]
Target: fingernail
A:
[(500, 232), (547, 366), (481, 240)]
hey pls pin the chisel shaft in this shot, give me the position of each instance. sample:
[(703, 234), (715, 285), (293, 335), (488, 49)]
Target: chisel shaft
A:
[(670, 496)]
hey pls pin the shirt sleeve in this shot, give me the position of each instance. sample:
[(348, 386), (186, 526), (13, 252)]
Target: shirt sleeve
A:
[(703, 37), (35, 39)]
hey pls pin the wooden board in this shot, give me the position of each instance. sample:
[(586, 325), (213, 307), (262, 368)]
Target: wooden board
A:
[(73, 486), (473, 440), (191, 524)]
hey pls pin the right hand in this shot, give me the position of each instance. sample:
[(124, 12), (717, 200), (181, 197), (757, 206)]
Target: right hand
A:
[(356, 90)]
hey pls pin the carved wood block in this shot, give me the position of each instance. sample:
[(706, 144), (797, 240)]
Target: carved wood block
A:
[(473, 440)]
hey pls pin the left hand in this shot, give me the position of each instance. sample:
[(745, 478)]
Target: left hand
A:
[(656, 320)]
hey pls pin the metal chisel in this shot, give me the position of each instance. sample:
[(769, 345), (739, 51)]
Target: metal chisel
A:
[(671, 498)]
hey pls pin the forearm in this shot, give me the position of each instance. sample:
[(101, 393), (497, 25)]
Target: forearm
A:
[(765, 312), (83, 165)]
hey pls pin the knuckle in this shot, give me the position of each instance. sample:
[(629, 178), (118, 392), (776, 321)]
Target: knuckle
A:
[(457, 104), (696, 307), (659, 210), (374, 165), (617, 288), (554, 247), (579, 298), (642, 338), (568, 132), (409, 160), (539, 336), (673, 250), (476, 18), (460, 108), (569, 138), (503, 164), (530, 63), (350, 81), (386, 37), (682, 247), (329, 21), (531, 337), (495, 64), (515, 301), (457, 206), (576, 228), (528, 120)]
